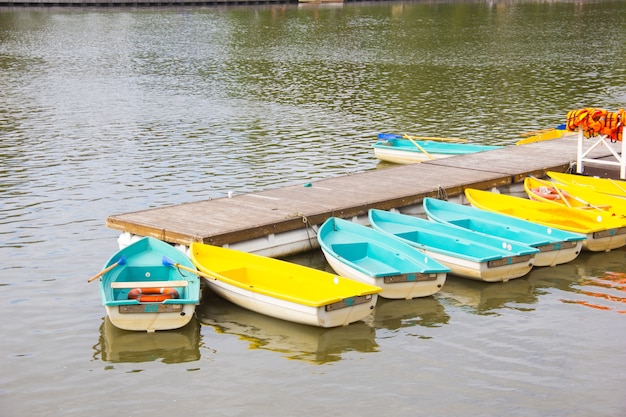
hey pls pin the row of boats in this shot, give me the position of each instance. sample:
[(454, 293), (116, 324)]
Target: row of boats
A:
[(151, 285)]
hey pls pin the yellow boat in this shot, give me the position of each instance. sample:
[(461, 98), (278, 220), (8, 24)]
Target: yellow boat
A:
[(599, 185), (603, 231), (283, 290), (545, 135), (573, 196)]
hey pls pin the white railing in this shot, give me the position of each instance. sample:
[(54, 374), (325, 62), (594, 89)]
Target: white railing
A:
[(599, 141)]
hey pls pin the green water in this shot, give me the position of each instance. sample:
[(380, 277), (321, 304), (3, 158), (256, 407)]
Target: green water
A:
[(106, 111)]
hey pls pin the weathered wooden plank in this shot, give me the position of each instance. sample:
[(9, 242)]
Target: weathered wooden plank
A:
[(248, 216)]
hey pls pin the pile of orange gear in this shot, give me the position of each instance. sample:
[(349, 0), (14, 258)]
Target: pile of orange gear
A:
[(594, 122)]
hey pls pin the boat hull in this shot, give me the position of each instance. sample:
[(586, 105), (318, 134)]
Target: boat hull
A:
[(144, 268), (466, 253), (282, 289), (484, 271), (403, 151), (603, 232), (555, 246), (599, 185), (574, 196), (293, 312), (150, 322), (404, 157), (394, 290), (367, 255)]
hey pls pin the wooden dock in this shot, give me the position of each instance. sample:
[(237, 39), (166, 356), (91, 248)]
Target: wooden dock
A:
[(257, 222)]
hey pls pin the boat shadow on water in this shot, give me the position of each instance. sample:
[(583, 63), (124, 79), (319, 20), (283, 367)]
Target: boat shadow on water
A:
[(295, 341), (171, 346), (397, 314), (594, 280), (486, 298)]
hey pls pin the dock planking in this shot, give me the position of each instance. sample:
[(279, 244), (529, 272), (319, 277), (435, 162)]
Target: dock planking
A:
[(244, 217)]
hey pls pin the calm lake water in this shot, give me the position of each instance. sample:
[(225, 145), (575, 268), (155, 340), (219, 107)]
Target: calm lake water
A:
[(105, 111)]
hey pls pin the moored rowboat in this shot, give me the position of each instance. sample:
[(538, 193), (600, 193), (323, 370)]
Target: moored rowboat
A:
[(603, 232), (599, 185), (555, 246), (394, 148), (283, 289), (364, 254), (573, 196), (143, 290), (468, 254)]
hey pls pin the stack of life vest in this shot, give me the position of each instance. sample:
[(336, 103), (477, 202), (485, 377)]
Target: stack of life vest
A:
[(594, 122)]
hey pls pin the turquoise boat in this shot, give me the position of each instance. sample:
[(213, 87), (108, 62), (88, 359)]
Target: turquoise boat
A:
[(366, 255), (468, 254), (555, 246), (149, 285), (404, 150)]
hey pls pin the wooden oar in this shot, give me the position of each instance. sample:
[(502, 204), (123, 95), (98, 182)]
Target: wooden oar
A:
[(419, 147), (580, 200), (168, 262), (616, 184), (119, 262), (436, 138)]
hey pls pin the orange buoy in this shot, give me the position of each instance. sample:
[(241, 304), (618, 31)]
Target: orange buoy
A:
[(152, 295), (549, 193)]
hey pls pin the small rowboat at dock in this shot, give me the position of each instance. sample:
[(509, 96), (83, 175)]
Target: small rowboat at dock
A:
[(468, 254), (405, 150), (574, 197), (602, 230), (600, 185), (367, 255), (149, 286), (283, 290), (555, 246)]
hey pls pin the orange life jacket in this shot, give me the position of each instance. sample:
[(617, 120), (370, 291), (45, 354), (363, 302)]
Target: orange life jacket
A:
[(594, 122)]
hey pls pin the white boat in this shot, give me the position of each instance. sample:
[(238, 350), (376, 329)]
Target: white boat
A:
[(283, 290), (367, 255), (148, 286), (404, 150), (468, 254), (555, 246)]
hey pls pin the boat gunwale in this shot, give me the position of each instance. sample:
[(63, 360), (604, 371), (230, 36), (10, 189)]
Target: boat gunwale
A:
[(496, 252), (365, 289)]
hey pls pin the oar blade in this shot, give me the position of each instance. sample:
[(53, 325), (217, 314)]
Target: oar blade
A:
[(121, 261)]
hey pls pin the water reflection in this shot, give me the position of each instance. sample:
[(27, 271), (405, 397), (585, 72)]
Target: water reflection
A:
[(600, 281), (172, 346), (293, 341), (487, 298), (396, 314)]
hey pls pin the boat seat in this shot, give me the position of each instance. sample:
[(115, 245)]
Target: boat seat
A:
[(148, 284), (351, 251)]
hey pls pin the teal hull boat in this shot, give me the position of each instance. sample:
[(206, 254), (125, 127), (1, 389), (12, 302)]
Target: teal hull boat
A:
[(149, 285), (394, 148), (366, 255), (468, 254), (555, 246)]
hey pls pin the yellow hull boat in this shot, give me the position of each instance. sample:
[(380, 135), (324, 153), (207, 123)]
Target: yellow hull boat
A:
[(543, 136), (574, 197), (603, 231), (599, 185), (284, 290)]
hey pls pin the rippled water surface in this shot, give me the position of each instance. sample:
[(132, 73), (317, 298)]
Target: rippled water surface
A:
[(105, 111)]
